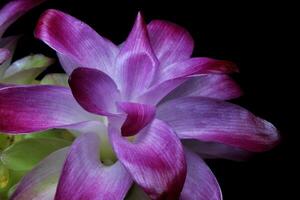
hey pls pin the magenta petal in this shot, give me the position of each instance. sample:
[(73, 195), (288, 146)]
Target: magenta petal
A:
[(200, 181), (136, 63), (76, 40), (138, 116), (214, 150), (85, 177), (213, 120), (170, 42), (13, 10), (216, 86), (4, 85), (195, 66), (94, 90), (155, 160), (35, 108), (4, 54), (176, 74)]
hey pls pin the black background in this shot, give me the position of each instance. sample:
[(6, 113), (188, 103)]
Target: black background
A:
[(253, 35)]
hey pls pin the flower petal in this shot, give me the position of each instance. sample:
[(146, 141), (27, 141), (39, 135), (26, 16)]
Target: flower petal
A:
[(200, 65), (155, 160), (213, 120), (13, 10), (156, 93), (4, 54), (94, 90), (67, 64), (8, 43), (76, 40), (214, 150), (200, 181), (41, 182), (136, 63), (170, 42), (85, 177), (176, 74), (35, 108), (4, 85), (138, 116), (213, 85), (25, 70)]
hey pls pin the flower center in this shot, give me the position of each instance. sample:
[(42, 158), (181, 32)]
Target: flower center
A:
[(107, 154)]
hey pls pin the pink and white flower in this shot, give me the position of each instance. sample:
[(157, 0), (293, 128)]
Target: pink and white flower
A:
[(150, 88)]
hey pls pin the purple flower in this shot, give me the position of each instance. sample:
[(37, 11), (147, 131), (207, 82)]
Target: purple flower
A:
[(8, 15), (148, 88), (26, 69)]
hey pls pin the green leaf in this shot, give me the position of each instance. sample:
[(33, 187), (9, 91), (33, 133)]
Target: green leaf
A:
[(55, 79), (4, 141), (25, 154), (25, 70), (4, 177), (52, 133)]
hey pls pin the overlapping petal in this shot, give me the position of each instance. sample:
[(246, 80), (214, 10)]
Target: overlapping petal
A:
[(13, 10), (156, 93), (41, 182), (94, 90), (170, 42), (200, 181), (85, 177), (200, 65), (218, 86), (76, 40), (176, 74), (136, 64), (138, 116), (35, 108), (155, 160), (213, 120)]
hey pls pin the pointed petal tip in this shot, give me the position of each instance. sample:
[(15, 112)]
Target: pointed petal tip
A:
[(140, 17)]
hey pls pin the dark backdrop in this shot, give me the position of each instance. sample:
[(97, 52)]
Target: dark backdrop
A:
[(253, 35)]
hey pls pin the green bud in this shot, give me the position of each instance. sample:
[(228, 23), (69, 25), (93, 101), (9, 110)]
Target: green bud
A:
[(55, 79), (25, 70)]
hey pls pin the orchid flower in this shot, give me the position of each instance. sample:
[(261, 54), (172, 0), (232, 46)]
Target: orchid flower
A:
[(159, 102), (25, 70)]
